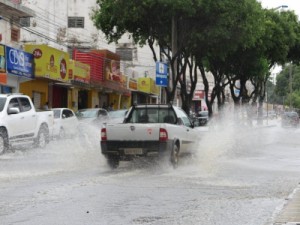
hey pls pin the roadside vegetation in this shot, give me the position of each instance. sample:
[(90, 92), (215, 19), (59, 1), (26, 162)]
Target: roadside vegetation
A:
[(237, 41), (287, 89)]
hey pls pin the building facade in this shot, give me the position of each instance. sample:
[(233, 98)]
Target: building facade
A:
[(73, 64), (15, 64)]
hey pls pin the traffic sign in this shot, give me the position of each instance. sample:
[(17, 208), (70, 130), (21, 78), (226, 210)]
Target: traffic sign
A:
[(161, 74)]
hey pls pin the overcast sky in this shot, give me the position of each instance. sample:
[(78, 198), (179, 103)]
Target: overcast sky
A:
[(292, 4)]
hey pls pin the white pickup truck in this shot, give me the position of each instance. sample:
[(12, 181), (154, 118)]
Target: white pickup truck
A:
[(21, 124), (149, 130)]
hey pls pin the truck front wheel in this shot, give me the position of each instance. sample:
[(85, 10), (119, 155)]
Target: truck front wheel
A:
[(62, 133), (113, 161), (3, 141)]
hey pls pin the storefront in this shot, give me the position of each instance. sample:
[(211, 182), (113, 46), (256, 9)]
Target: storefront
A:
[(108, 85), (80, 73), (147, 92), (198, 100), (89, 94), (118, 95), (132, 85), (114, 82), (52, 75), (16, 66)]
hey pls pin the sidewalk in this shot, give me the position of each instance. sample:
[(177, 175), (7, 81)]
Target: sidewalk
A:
[(290, 213)]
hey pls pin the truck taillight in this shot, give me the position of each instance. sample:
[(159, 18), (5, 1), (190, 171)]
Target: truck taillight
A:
[(163, 134), (103, 134)]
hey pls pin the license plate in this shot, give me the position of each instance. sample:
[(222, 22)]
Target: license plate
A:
[(133, 151)]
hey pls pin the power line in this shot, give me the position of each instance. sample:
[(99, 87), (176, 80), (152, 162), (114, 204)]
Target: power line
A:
[(59, 25), (46, 37)]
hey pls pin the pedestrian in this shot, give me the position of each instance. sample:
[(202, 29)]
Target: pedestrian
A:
[(111, 107), (46, 107), (104, 106)]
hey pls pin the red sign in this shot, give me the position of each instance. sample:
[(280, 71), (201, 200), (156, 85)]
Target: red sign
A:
[(37, 53), (3, 78), (198, 95)]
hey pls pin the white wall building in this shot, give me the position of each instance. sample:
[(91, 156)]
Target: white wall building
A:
[(11, 12), (67, 24)]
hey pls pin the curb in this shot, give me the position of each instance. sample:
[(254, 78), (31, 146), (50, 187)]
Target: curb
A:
[(290, 213)]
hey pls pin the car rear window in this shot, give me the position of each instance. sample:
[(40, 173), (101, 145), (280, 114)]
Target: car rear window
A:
[(152, 115)]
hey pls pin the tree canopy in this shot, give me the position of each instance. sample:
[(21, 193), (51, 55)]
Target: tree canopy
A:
[(234, 40)]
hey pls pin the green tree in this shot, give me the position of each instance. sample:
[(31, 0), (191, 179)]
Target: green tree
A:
[(290, 75), (150, 22), (235, 40), (201, 27)]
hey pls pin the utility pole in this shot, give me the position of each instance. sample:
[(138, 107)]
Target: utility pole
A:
[(172, 77), (291, 84)]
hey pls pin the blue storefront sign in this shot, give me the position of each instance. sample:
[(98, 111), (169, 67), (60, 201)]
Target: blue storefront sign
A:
[(19, 63), (161, 74)]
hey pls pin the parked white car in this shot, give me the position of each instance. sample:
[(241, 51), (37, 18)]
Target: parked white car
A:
[(92, 116), (65, 123)]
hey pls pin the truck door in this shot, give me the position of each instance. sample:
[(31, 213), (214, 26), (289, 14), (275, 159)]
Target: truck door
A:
[(30, 116), (188, 133), (16, 121)]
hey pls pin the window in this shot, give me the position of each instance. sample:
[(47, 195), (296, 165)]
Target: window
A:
[(103, 112), (184, 118), (76, 22), (67, 113), (13, 103), (56, 113), (25, 21), (15, 34), (25, 104), (153, 115)]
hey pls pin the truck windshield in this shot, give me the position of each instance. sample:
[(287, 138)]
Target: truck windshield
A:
[(2, 103)]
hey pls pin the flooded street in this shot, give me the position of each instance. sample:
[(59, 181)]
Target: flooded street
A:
[(238, 176)]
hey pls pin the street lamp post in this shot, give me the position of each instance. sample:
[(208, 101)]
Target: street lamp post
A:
[(280, 7)]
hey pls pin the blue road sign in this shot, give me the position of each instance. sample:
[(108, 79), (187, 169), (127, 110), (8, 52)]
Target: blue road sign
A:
[(161, 74)]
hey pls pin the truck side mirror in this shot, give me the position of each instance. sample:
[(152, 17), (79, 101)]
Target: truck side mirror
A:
[(13, 110)]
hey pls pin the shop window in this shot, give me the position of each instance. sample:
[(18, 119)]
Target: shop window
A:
[(15, 34), (76, 22), (14, 103)]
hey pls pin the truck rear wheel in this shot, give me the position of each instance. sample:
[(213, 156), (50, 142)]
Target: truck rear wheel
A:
[(113, 161), (175, 156), (42, 138), (3, 141)]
